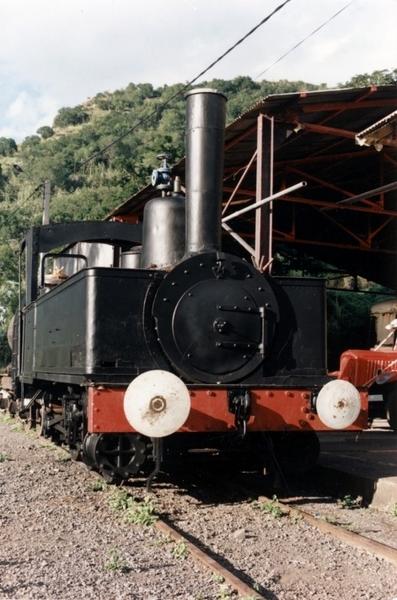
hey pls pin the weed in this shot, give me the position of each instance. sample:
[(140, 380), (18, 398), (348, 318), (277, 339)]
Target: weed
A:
[(18, 427), (98, 486), (296, 518), (180, 550), (394, 510), (162, 540), (4, 457), (32, 433), (331, 520), (140, 513), (64, 458), (350, 503), (48, 446), (116, 562), (6, 417), (119, 500), (218, 578), (272, 508), (224, 592)]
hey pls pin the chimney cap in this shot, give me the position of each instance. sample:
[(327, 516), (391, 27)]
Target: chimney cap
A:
[(205, 91)]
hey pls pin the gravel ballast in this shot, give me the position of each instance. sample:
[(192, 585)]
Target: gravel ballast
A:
[(60, 539)]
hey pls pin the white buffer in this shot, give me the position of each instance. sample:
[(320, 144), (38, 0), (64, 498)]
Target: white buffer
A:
[(157, 403), (338, 404)]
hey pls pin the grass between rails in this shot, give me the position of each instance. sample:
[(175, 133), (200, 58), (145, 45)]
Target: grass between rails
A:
[(272, 507), (116, 562), (137, 513), (350, 502)]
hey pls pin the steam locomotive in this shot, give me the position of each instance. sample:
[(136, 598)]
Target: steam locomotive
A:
[(169, 338)]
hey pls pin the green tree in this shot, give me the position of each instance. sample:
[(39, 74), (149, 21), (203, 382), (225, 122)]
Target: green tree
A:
[(70, 116), (379, 77), (45, 132), (8, 146)]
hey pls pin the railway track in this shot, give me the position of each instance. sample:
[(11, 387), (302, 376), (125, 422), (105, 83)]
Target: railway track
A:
[(235, 582), (186, 507), (239, 582)]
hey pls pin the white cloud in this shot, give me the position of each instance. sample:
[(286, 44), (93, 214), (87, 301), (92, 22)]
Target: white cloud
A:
[(71, 49), (26, 113)]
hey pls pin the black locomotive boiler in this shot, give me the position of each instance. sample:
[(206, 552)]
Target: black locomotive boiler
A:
[(150, 330)]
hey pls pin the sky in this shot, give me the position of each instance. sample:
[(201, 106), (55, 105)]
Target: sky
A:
[(56, 53)]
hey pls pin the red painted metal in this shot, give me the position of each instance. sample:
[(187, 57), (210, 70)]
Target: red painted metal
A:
[(331, 106), (127, 218), (326, 130), (313, 159), (322, 203), (365, 367), (236, 189), (272, 410)]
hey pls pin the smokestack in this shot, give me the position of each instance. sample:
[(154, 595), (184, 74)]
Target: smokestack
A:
[(205, 132)]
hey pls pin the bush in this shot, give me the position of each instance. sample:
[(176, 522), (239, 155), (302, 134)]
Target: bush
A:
[(31, 140), (45, 132), (70, 116), (7, 146)]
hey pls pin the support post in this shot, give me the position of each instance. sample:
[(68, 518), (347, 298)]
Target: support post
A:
[(264, 188), (46, 202)]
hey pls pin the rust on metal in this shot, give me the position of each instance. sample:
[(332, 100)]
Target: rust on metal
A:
[(235, 582)]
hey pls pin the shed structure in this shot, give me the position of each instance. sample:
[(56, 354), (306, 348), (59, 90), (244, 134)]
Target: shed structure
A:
[(346, 215)]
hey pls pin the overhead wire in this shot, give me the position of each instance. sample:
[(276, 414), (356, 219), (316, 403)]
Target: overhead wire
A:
[(167, 102), (302, 41), (36, 189), (182, 90)]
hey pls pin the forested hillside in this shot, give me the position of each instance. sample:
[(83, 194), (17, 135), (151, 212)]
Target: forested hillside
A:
[(56, 151)]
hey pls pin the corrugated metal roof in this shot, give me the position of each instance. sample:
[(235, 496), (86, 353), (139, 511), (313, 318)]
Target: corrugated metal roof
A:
[(392, 117), (379, 134), (366, 105), (335, 168)]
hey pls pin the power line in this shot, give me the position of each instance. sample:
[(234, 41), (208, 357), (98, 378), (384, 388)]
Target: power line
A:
[(305, 38), (36, 189), (183, 89)]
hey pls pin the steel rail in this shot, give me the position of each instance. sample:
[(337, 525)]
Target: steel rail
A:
[(206, 558), (356, 540), (235, 582)]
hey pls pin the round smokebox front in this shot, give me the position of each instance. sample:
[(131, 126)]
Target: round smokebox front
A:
[(212, 316)]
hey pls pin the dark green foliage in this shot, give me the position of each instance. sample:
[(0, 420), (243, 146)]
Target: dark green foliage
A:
[(7, 146), (5, 352), (45, 132), (380, 77), (3, 180), (70, 116), (30, 141)]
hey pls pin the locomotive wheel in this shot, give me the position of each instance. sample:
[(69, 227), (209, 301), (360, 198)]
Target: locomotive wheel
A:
[(116, 456)]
